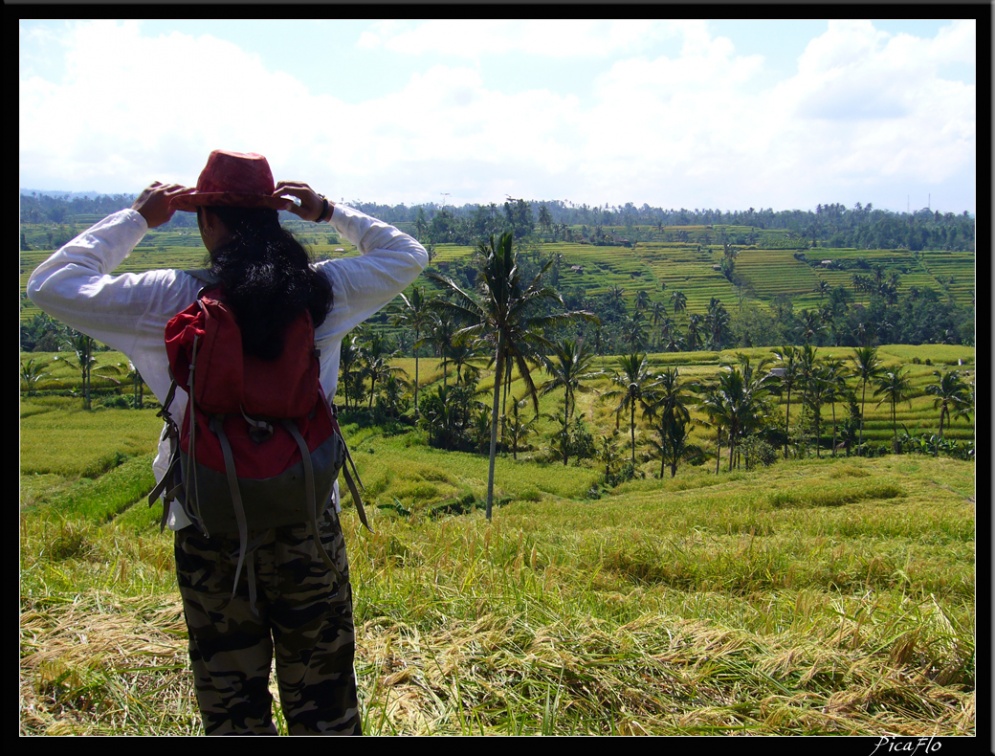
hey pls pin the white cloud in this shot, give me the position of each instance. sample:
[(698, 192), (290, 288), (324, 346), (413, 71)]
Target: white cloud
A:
[(546, 38), (131, 104), (679, 124), (870, 106)]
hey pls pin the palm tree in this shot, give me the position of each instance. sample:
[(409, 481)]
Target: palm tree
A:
[(414, 314), (517, 429), (950, 392), (694, 334), (502, 311), (788, 376), (80, 356), (736, 401), (31, 373), (441, 331), (668, 409), (633, 379), (674, 342), (635, 332), (717, 322), (814, 382), (680, 301), (616, 299), (758, 383), (377, 355), (658, 312), (568, 365), (349, 357), (866, 367), (464, 352), (810, 326), (836, 376), (894, 386)]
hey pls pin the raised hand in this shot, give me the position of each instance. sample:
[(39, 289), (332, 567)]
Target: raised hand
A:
[(154, 202), (312, 205)]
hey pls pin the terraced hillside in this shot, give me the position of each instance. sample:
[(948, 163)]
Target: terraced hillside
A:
[(657, 267)]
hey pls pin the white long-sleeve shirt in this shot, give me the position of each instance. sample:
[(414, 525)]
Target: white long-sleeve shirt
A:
[(129, 312)]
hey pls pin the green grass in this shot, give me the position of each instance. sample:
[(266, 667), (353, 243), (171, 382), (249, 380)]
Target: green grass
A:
[(813, 597)]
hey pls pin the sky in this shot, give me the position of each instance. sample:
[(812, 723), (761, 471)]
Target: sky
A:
[(718, 114)]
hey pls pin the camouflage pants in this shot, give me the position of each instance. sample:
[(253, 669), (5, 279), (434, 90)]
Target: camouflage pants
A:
[(303, 612)]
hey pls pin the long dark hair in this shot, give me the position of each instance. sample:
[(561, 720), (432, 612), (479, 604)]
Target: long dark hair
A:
[(267, 279)]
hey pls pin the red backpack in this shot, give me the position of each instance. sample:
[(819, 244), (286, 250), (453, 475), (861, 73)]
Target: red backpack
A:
[(259, 446)]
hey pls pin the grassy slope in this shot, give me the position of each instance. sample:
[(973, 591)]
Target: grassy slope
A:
[(812, 597)]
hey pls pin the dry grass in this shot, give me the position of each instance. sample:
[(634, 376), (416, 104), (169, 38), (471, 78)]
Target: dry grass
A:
[(813, 597)]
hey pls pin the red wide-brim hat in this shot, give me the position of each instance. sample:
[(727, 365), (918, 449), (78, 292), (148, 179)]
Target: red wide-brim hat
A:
[(233, 179)]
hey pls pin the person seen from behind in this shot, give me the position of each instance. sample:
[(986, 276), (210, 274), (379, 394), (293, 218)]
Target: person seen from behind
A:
[(301, 615)]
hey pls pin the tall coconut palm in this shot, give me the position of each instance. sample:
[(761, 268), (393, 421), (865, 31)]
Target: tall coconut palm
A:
[(503, 311), (680, 301), (836, 390), (568, 365), (441, 332), (468, 354), (788, 376), (79, 355), (668, 410), (658, 312), (714, 405), (350, 354), (377, 356), (814, 382), (867, 367), (717, 323), (632, 378), (415, 315), (736, 401), (758, 383), (893, 386), (694, 332), (950, 394), (635, 331), (810, 327)]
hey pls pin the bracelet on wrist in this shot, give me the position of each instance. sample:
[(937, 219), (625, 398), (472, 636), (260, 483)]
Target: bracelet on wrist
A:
[(324, 210)]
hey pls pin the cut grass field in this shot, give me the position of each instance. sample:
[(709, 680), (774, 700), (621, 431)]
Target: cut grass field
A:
[(813, 597)]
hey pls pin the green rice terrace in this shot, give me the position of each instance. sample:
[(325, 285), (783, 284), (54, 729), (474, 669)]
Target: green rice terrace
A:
[(731, 536), (816, 595)]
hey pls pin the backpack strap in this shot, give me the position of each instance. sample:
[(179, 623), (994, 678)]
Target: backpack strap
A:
[(170, 476), (310, 490), (190, 486), (350, 481), (217, 425)]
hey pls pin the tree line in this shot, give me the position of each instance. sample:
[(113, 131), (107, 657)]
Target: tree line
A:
[(829, 225)]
